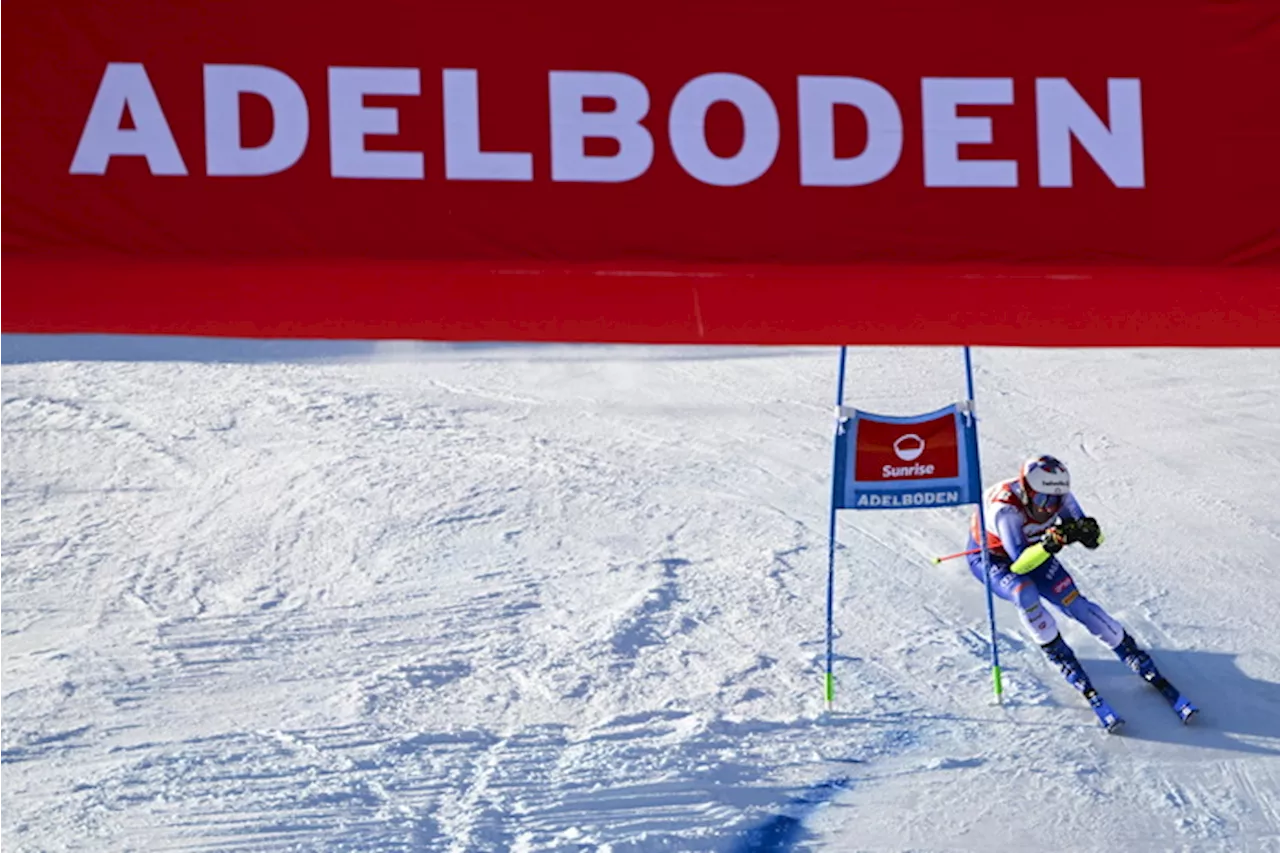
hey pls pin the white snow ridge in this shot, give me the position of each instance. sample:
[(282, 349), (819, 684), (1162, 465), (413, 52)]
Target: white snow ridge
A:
[(572, 598)]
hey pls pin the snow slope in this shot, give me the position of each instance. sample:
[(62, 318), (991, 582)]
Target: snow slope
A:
[(572, 598)]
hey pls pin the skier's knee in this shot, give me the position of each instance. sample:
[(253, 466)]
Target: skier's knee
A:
[(1040, 622), (1076, 606), (1098, 621), (1024, 595)]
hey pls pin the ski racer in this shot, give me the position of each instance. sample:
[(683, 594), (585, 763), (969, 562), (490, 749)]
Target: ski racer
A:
[(1030, 519)]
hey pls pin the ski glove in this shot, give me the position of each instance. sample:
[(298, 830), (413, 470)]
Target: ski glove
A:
[(1083, 530), (1087, 532), (1056, 537)]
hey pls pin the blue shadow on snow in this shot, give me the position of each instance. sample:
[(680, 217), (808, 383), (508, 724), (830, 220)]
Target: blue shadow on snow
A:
[(782, 831)]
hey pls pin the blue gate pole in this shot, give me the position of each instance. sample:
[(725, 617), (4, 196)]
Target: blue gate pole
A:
[(982, 532), (829, 684)]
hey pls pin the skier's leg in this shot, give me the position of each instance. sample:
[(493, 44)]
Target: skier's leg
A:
[(1141, 663), (1057, 585), (1061, 656), (1049, 581), (1135, 658), (1038, 621), (1022, 592)]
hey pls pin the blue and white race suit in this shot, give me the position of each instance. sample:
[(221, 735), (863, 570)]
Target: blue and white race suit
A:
[(1011, 529)]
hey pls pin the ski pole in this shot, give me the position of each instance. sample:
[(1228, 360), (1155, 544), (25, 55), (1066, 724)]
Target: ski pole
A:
[(958, 554)]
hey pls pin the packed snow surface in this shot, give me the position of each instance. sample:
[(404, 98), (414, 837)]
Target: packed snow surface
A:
[(421, 597)]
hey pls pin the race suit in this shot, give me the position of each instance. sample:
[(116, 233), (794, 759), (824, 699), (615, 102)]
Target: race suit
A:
[(1011, 529)]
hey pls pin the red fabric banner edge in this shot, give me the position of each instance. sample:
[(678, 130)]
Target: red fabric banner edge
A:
[(703, 304)]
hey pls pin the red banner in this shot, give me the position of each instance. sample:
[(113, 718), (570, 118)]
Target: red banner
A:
[(897, 450), (915, 172)]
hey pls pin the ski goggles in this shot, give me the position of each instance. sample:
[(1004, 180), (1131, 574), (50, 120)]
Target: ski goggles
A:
[(1045, 503)]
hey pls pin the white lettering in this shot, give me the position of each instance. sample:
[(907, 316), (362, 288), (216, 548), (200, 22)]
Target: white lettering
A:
[(686, 128), (908, 499), (125, 85), (463, 159), (945, 131), (1061, 114), (603, 106), (819, 166), (571, 125), (913, 470), (350, 121), (224, 154)]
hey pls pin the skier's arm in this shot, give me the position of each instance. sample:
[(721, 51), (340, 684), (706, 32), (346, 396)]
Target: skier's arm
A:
[(1030, 559), (1074, 527), (1007, 522), (1070, 510), (1079, 526), (1055, 538)]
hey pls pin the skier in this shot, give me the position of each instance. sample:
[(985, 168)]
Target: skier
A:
[(1030, 519)]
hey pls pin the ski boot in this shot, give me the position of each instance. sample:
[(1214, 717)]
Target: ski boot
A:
[(1142, 664), (1060, 654)]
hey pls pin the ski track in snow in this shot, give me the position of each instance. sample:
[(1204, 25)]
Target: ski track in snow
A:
[(571, 598)]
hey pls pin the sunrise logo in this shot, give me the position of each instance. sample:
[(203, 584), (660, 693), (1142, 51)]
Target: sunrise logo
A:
[(908, 447)]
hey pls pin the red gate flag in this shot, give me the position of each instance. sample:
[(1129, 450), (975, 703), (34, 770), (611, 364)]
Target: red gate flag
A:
[(1103, 173)]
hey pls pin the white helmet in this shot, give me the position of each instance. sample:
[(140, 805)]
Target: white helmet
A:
[(1045, 481)]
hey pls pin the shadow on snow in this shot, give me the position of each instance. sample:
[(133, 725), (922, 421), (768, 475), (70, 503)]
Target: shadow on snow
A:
[(26, 349)]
